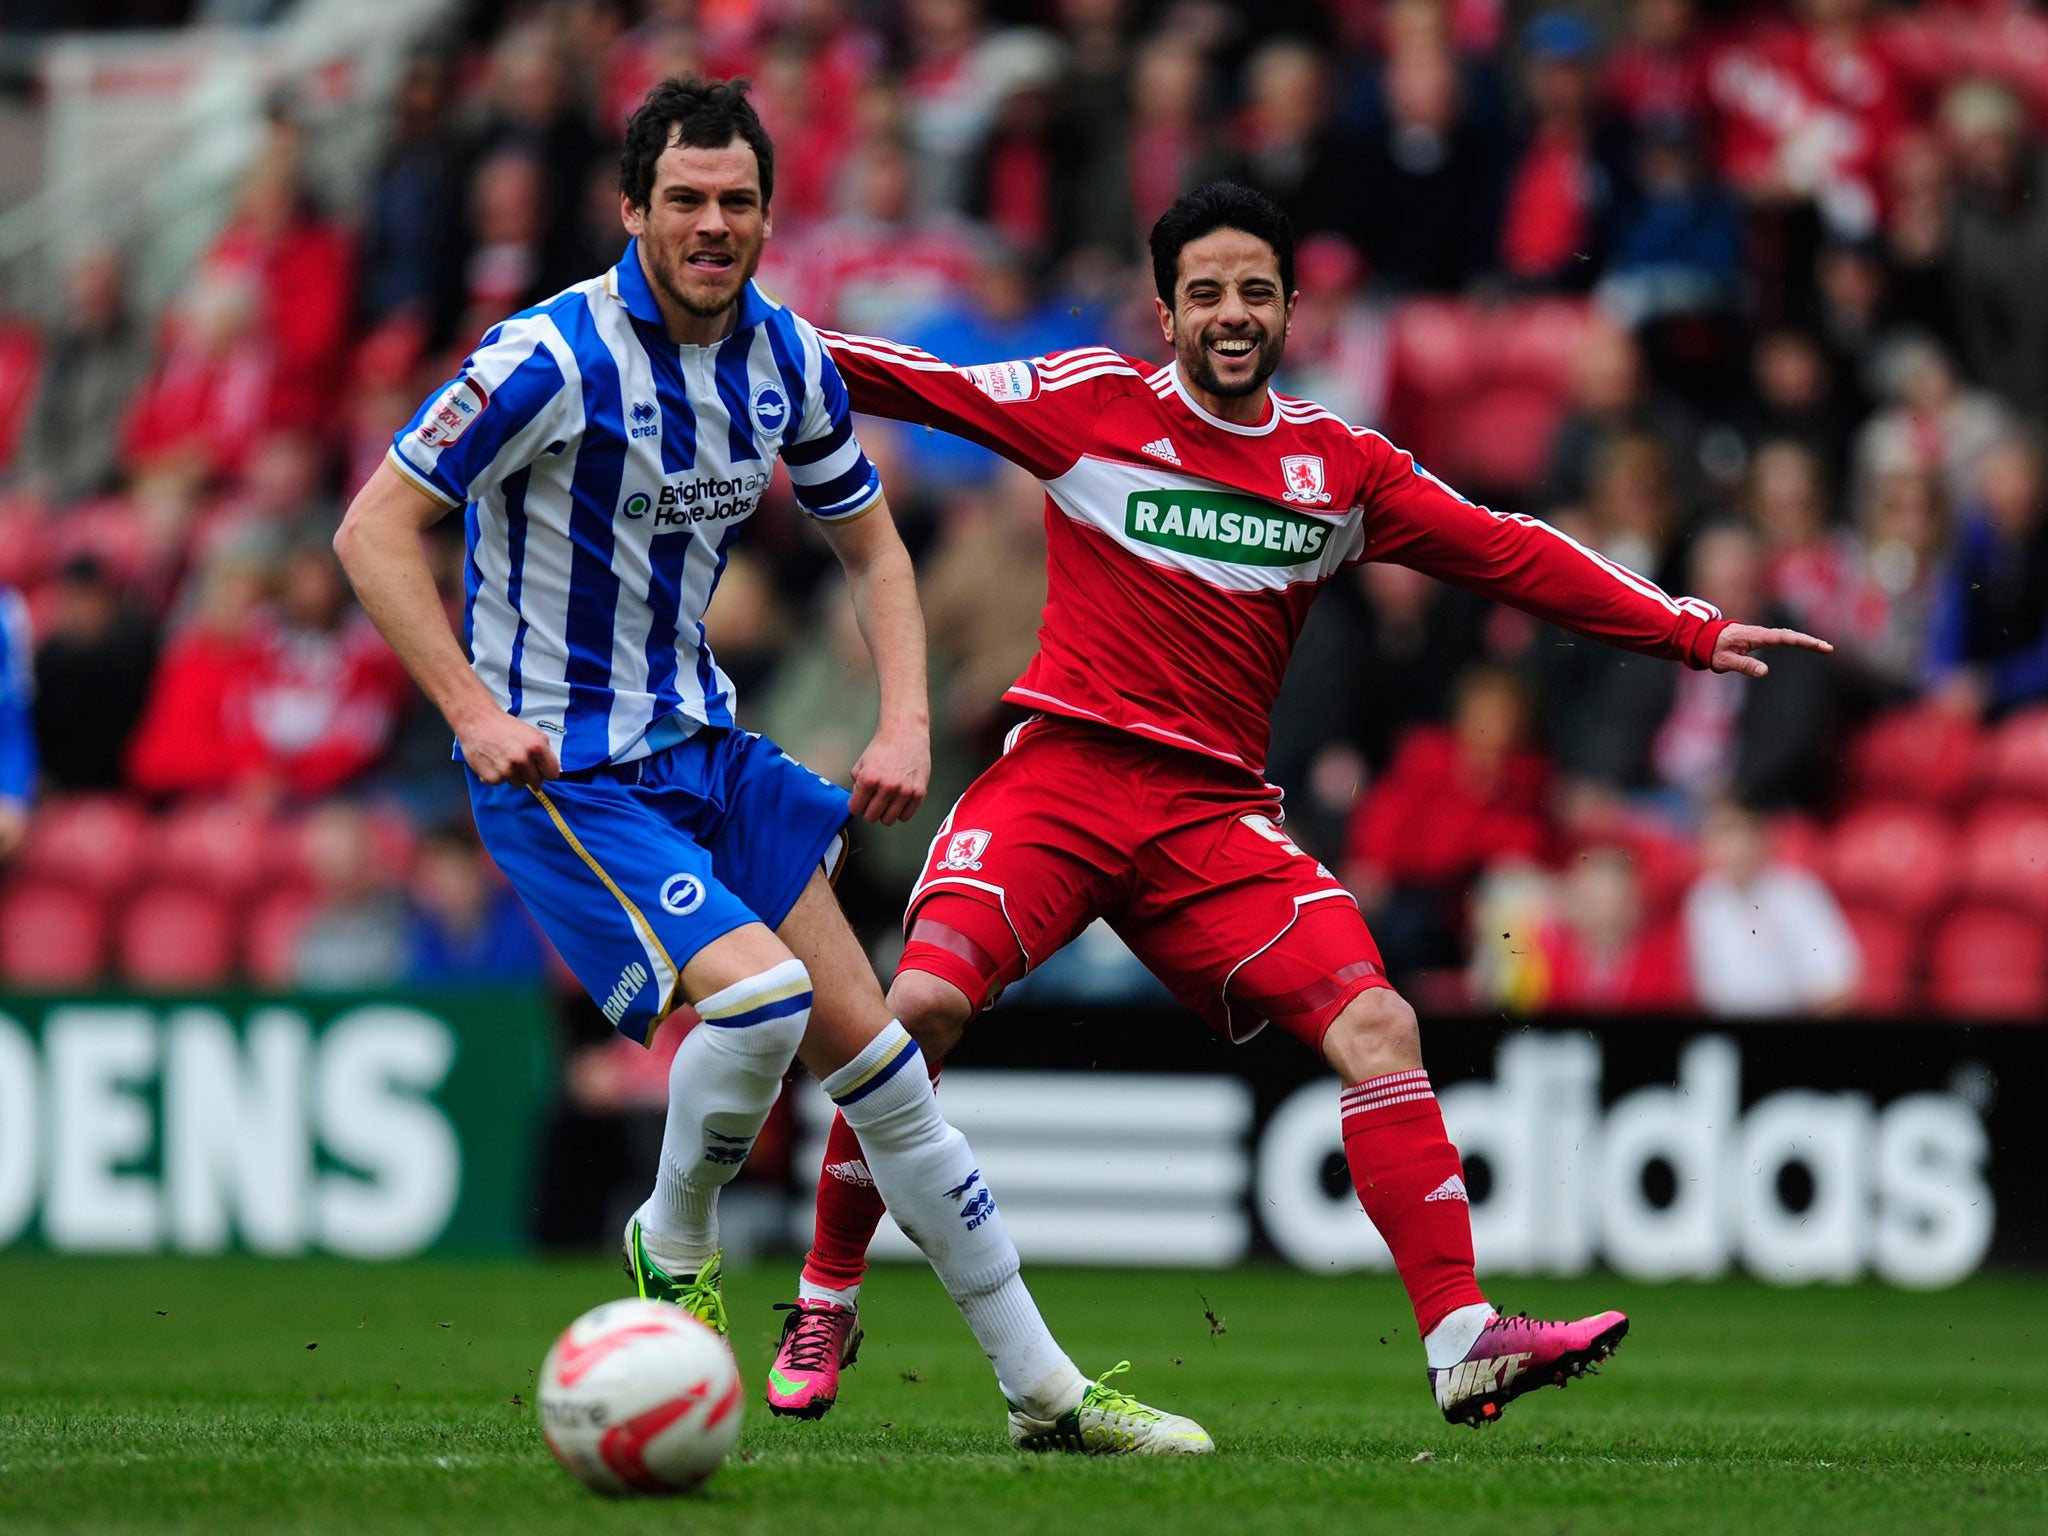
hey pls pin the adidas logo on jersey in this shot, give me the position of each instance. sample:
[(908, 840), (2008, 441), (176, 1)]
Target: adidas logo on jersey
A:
[(1452, 1188), (1162, 449)]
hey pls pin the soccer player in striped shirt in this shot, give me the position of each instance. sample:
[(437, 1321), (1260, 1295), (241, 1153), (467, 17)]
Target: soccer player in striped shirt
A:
[(607, 446), (1192, 514)]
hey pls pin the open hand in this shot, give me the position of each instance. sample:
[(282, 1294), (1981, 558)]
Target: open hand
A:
[(1735, 650), (891, 777)]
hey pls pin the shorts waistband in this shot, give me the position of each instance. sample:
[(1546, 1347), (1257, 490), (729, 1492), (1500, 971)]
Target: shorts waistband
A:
[(639, 769)]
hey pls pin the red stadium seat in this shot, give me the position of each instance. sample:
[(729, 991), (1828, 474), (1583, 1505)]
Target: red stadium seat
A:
[(94, 842), (1922, 753), (1889, 960), (1498, 440), (51, 936), (1479, 391), (270, 937), (2016, 755), (176, 938), (24, 548), (1538, 341), (1799, 841), (2005, 855), (1897, 858), (1989, 964), (226, 846)]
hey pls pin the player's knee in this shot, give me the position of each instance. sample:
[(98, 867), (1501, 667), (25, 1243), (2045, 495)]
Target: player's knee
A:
[(764, 1016), (1377, 1033), (932, 1009)]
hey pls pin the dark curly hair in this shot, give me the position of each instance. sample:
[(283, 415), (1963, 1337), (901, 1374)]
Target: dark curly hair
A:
[(702, 114), (1219, 205)]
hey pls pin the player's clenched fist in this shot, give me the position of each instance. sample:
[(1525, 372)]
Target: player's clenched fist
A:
[(891, 777), (502, 750)]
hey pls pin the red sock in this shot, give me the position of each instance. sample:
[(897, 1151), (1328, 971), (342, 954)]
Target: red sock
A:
[(849, 1210), (1409, 1180)]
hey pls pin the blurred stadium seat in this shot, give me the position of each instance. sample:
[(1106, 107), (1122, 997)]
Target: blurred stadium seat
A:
[(1896, 858), (50, 935), (1799, 841), (1479, 390), (92, 842), (2016, 754), (1989, 963), (1924, 753), (270, 937), (225, 846), (24, 549), (176, 937), (2005, 855), (1890, 964)]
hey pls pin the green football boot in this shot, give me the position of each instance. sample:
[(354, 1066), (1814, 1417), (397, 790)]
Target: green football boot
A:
[(1110, 1423), (696, 1294)]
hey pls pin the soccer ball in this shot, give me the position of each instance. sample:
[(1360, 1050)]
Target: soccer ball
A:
[(639, 1397)]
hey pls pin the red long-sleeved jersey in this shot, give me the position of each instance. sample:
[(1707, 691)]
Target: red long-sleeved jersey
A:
[(1183, 550)]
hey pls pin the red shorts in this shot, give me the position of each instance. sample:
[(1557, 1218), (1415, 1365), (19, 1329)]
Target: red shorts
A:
[(1181, 854)]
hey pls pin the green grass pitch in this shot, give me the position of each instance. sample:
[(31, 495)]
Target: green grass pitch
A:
[(164, 1395)]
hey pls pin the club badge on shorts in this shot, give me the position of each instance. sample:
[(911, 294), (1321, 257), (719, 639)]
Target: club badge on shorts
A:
[(964, 850)]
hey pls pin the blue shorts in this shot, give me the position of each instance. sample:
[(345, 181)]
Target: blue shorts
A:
[(631, 868)]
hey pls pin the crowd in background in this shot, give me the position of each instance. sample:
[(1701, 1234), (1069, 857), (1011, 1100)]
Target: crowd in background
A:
[(1748, 298)]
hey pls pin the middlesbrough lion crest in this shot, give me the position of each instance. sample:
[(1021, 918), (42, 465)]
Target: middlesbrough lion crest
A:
[(1303, 474), (964, 850)]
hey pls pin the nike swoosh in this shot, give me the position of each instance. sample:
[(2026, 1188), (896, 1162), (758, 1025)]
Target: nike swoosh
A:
[(782, 1383)]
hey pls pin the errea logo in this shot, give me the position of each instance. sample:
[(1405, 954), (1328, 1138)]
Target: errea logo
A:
[(646, 420)]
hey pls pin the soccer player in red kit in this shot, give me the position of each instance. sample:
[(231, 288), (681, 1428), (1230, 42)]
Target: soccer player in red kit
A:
[(1192, 515)]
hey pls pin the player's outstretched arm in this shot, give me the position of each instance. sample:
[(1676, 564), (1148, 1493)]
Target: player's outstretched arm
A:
[(1735, 648), (379, 546), (890, 779)]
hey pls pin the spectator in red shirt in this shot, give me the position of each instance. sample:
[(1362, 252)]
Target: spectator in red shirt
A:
[(1562, 191), (1808, 110), (1658, 73), (882, 269), (1604, 952), (297, 698), (1454, 800)]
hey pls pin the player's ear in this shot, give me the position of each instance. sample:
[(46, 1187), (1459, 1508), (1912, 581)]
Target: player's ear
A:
[(1165, 318), (1292, 299), (632, 216)]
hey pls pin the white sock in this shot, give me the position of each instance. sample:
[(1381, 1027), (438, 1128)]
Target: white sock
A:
[(1452, 1339), (928, 1176), (721, 1086), (847, 1296)]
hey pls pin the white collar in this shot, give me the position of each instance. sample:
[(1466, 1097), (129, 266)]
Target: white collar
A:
[(1272, 410)]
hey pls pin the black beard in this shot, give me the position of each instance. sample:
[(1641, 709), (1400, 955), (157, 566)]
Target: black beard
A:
[(1195, 361), (698, 307)]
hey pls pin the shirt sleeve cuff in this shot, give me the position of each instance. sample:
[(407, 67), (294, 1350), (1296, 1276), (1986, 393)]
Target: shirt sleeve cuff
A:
[(421, 481), (1700, 654)]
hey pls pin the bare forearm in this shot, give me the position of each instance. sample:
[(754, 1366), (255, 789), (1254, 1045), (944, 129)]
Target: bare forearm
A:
[(884, 592), (379, 546)]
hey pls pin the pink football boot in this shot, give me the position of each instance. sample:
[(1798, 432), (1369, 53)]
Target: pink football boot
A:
[(818, 1338), (1517, 1354)]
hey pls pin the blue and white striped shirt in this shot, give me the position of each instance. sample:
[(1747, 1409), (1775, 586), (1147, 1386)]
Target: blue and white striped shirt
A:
[(606, 471)]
